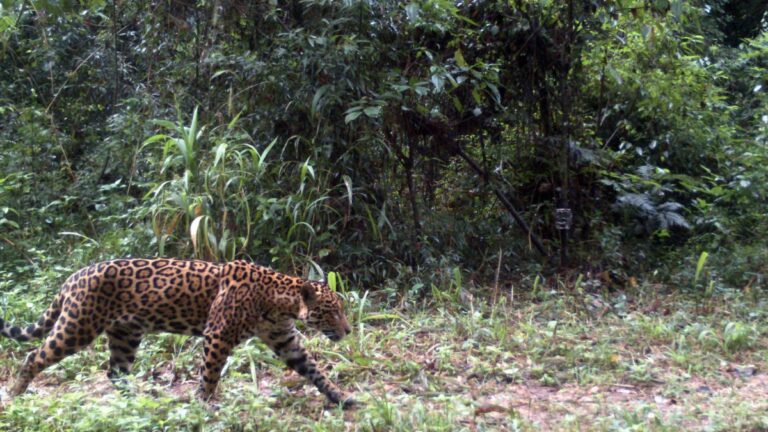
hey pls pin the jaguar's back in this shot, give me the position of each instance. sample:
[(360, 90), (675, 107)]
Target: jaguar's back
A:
[(152, 294)]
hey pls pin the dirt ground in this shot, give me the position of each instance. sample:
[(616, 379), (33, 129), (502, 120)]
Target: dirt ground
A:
[(542, 407)]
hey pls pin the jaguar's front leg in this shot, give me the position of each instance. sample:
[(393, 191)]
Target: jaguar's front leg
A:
[(216, 349), (288, 347)]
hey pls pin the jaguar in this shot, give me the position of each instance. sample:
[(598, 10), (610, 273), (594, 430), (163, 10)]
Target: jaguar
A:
[(225, 303)]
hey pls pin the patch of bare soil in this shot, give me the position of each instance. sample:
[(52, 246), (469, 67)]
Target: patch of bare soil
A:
[(547, 407)]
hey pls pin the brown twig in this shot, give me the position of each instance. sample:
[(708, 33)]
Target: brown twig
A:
[(496, 279)]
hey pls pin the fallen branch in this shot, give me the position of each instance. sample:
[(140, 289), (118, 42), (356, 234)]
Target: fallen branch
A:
[(515, 214)]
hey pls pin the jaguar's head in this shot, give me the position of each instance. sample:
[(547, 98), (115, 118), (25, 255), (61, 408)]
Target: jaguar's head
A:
[(325, 310)]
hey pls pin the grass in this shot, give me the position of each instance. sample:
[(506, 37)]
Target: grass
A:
[(564, 360)]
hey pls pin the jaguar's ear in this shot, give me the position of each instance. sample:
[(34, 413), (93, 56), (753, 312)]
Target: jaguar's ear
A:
[(309, 295)]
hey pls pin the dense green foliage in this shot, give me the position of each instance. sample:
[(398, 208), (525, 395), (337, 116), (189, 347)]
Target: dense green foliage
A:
[(335, 135)]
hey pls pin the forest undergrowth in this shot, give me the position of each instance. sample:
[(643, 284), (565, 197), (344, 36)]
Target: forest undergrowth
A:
[(650, 358)]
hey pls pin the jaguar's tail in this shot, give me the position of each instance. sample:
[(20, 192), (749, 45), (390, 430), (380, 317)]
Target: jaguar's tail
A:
[(37, 330)]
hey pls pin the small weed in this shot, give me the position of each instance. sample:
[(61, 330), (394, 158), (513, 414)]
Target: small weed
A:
[(737, 336)]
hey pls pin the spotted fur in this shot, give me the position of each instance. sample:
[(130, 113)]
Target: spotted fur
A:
[(226, 303)]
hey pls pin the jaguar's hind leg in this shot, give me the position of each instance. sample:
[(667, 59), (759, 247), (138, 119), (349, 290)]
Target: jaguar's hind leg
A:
[(68, 336)]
